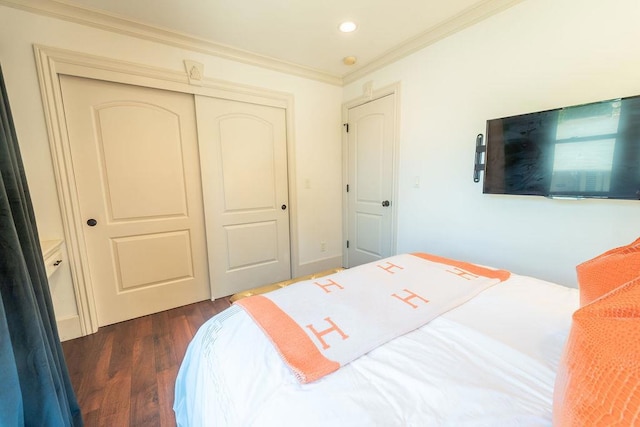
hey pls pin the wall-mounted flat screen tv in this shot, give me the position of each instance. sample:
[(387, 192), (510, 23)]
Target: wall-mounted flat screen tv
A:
[(583, 151)]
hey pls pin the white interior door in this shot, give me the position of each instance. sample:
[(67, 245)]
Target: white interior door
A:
[(243, 155), (135, 162), (370, 177)]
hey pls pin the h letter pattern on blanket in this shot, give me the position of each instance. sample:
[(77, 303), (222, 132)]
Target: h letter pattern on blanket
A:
[(409, 298), (463, 274), (319, 326), (320, 334), (388, 267), (325, 287)]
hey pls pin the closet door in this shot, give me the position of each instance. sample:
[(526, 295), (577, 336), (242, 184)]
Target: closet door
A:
[(243, 157), (134, 155)]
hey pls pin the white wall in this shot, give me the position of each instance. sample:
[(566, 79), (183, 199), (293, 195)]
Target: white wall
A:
[(537, 55), (317, 129)]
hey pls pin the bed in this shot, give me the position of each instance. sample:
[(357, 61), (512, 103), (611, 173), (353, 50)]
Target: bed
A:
[(489, 361)]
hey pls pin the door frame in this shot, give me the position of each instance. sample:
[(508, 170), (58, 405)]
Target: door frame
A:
[(367, 96), (53, 62)]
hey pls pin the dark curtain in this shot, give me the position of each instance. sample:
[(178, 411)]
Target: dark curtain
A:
[(35, 389)]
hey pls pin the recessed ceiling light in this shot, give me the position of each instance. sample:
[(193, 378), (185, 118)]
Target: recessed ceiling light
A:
[(348, 26)]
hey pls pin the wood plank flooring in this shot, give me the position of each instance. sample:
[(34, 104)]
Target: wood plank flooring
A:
[(124, 374)]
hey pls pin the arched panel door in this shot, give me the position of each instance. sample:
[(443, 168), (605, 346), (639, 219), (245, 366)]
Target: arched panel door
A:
[(370, 175), (134, 154), (243, 155)]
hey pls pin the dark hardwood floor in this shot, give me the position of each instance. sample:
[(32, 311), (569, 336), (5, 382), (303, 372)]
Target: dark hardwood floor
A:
[(124, 374)]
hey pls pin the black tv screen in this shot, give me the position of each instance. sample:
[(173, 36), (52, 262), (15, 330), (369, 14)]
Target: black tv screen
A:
[(590, 150)]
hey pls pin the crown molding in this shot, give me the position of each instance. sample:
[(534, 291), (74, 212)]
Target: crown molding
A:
[(106, 21), (459, 22)]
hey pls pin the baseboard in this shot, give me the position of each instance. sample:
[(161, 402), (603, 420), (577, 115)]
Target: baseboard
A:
[(319, 265), (69, 328)]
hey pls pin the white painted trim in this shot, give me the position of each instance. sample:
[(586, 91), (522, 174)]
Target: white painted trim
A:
[(369, 95), (105, 21), (459, 22), (52, 62), (293, 190), (58, 140), (129, 27)]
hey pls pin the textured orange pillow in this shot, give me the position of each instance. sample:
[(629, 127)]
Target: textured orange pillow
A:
[(606, 272), (598, 380)]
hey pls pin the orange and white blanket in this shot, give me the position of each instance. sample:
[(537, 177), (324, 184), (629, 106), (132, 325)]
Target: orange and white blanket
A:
[(319, 325)]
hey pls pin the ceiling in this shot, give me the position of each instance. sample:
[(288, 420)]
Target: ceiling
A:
[(295, 34)]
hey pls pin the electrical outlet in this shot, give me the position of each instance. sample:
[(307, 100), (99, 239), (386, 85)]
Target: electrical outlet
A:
[(323, 246)]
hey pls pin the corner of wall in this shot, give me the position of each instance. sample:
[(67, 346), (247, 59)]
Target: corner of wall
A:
[(69, 328)]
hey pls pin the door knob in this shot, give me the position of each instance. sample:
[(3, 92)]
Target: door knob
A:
[(91, 222), (284, 207), (386, 203)]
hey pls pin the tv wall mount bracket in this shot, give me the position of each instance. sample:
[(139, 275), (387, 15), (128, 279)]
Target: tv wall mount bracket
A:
[(481, 149)]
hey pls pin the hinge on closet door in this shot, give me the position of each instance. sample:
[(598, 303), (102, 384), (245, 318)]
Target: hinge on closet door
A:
[(347, 244), (347, 188)]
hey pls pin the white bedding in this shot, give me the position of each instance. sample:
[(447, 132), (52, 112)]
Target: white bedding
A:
[(490, 362)]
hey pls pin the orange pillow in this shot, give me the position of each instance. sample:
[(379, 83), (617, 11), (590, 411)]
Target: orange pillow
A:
[(598, 380), (606, 272)]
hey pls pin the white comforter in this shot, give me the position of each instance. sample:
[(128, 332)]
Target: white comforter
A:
[(490, 362)]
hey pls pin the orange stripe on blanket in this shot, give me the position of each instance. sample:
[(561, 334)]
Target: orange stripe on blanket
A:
[(502, 275), (293, 344)]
